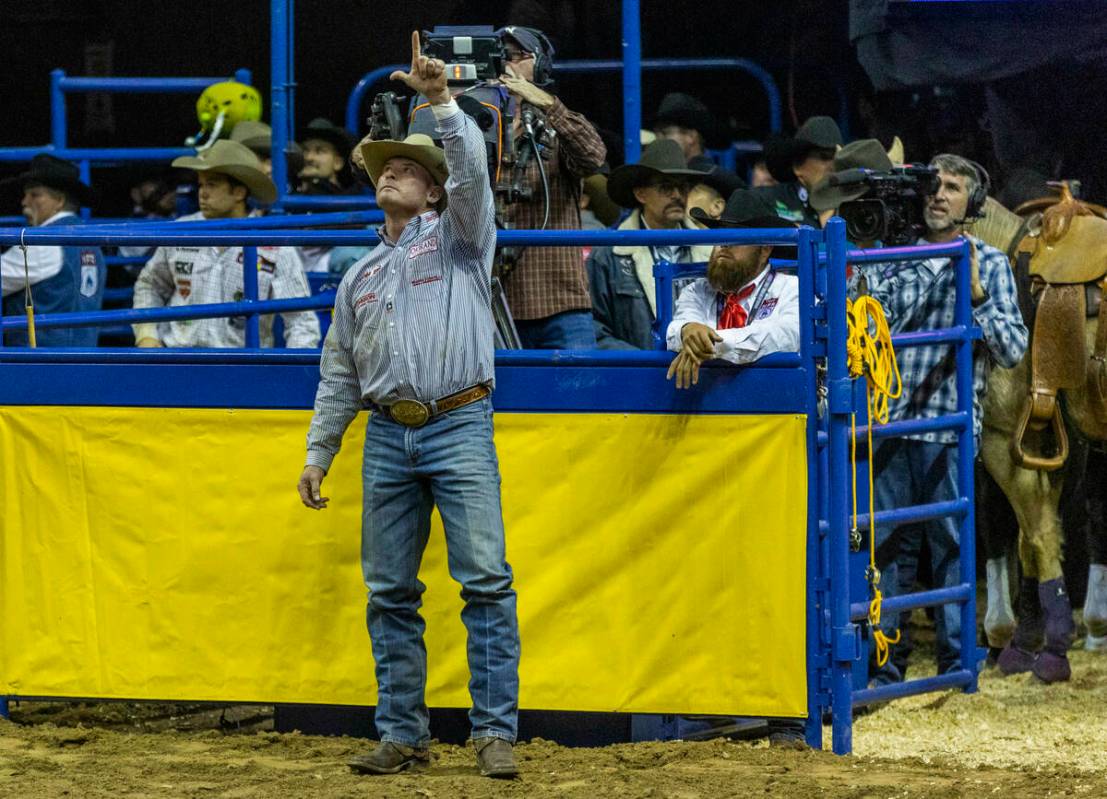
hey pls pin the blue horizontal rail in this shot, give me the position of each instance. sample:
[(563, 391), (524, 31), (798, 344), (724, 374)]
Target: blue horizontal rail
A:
[(913, 253), (276, 221), (917, 513), (882, 693), (172, 234), (125, 260), (301, 202), (104, 155), (859, 611), (945, 335), (172, 314), (127, 85), (911, 427)]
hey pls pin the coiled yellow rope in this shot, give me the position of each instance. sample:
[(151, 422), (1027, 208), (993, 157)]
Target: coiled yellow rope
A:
[(870, 353)]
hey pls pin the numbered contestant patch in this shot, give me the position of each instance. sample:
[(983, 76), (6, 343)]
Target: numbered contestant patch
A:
[(766, 308), (90, 275)]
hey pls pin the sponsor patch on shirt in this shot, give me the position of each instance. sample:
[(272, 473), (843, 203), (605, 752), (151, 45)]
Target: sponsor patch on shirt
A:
[(90, 278), (88, 258), (267, 259), (766, 308), (366, 298), (429, 244), (184, 287), (182, 267), (424, 280)]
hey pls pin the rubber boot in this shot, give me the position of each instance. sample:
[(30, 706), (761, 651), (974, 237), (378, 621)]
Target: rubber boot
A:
[(1052, 664), (999, 621), (1095, 608), (1018, 656)]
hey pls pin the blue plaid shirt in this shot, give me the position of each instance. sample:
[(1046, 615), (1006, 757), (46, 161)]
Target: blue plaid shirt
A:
[(921, 296)]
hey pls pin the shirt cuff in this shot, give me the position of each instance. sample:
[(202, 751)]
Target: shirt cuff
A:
[(317, 457), (445, 110), (147, 330)]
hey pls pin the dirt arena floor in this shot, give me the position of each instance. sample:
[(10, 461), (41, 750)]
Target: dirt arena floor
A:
[(1013, 739)]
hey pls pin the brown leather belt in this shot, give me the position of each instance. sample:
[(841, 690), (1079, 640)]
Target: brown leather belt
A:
[(414, 413)]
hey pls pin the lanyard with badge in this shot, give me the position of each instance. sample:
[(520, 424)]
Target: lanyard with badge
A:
[(758, 298)]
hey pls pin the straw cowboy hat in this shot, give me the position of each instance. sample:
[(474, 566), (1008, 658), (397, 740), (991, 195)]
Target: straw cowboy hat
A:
[(861, 154), (663, 157), (54, 173), (234, 160), (817, 133), (419, 147)]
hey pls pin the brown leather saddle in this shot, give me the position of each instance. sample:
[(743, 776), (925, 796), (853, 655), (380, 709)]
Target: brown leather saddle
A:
[(1060, 262)]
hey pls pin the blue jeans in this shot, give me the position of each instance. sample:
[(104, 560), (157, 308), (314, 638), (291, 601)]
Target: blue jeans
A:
[(571, 330), (913, 472), (451, 462)]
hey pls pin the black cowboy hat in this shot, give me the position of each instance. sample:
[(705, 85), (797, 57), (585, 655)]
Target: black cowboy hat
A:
[(54, 173), (745, 209), (663, 157), (325, 130), (817, 133), (686, 111)]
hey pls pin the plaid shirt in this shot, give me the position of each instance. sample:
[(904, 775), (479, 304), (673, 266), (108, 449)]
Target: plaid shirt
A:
[(921, 296), (176, 276), (550, 280)]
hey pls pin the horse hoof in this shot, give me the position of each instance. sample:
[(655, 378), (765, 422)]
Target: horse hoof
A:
[(999, 633), (1050, 668), (1013, 660), (1096, 643)]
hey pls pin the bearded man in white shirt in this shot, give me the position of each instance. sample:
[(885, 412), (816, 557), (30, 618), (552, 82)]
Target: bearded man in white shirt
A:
[(744, 309)]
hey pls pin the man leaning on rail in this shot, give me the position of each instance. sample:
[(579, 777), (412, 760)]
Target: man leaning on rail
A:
[(228, 173), (412, 340)]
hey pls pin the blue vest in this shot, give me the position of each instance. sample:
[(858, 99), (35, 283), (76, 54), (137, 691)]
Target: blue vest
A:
[(79, 286)]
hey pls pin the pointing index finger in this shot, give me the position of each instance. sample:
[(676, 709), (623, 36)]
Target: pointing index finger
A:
[(415, 49)]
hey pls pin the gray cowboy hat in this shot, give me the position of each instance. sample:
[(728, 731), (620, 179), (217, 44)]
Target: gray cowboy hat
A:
[(746, 209), (54, 173), (235, 160), (663, 157), (860, 154), (817, 133)]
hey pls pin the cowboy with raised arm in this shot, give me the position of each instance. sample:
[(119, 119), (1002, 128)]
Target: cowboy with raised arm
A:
[(412, 340)]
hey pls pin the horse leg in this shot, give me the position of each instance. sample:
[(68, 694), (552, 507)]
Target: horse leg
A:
[(998, 529), (1034, 497), (1095, 601)]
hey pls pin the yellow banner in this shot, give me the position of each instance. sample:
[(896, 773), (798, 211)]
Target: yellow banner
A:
[(153, 553)]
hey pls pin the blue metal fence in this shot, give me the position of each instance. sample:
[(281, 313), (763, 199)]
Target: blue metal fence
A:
[(835, 641)]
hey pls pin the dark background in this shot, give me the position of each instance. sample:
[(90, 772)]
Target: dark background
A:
[(949, 52)]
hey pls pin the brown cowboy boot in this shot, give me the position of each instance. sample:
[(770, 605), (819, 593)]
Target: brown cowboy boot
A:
[(390, 758), (495, 758), (1052, 664)]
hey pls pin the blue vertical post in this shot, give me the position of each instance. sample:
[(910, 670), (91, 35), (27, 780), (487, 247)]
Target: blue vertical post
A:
[(290, 67), (57, 109), (278, 93), (4, 712), (966, 456), (806, 253), (244, 76), (86, 177), (632, 81), (844, 634), (250, 294)]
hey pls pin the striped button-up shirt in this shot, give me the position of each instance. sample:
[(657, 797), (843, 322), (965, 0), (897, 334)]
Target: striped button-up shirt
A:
[(413, 320), (921, 296)]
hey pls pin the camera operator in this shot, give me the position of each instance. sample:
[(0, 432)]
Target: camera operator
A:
[(923, 468), (546, 289)]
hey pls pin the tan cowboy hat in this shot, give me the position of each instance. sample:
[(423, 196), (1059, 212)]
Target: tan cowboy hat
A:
[(419, 147), (234, 160)]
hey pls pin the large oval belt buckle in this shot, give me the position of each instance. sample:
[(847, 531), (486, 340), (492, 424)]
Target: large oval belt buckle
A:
[(410, 412)]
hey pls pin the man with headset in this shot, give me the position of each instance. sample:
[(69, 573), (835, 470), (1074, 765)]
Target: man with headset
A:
[(546, 287), (923, 468)]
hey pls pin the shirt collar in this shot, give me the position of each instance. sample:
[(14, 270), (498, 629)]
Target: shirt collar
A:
[(412, 228), (755, 282), (58, 215)]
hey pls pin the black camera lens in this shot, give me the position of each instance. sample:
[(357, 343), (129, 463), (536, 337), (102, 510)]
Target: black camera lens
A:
[(865, 219)]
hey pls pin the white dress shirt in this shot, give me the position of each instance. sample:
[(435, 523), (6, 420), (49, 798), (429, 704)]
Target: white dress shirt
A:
[(773, 326), (43, 262)]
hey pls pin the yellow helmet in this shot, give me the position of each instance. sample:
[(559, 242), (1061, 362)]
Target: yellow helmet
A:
[(235, 102)]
